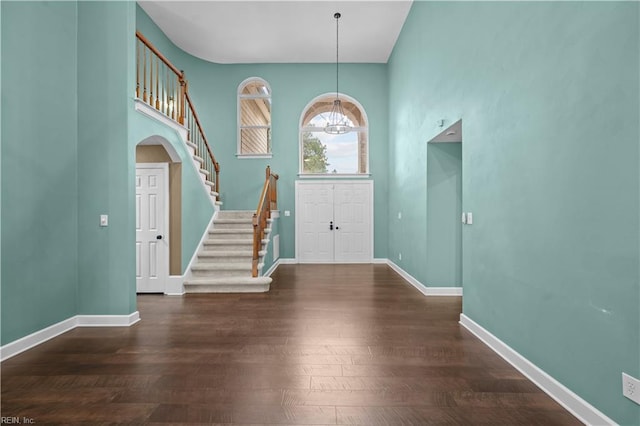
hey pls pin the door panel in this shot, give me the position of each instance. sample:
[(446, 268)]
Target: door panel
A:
[(151, 252)]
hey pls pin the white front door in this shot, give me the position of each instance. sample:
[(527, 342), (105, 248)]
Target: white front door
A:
[(334, 221), (352, 213), (315, 215), (151, 222)]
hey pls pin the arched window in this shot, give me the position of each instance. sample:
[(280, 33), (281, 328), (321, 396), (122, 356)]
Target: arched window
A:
[(322, 153), (254, 118)]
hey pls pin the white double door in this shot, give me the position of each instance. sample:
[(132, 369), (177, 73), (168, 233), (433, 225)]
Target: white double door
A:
[(334, 221), (151, 224)]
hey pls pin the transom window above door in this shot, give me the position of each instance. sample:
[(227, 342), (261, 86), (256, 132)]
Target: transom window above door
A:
[(324, 154), (254, 118)]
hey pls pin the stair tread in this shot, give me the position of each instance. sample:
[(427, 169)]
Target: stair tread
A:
[(226, 253), (237, 241), (231, 266), (229, 253), (206, 280)]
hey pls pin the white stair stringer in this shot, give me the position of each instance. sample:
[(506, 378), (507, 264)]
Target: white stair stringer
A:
[(204, 175), (223, 263)]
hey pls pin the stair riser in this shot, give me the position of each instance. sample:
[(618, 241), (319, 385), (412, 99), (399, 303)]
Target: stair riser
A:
[(219, 274), (219, 247), (223, 260), (227, 214), (230, 236), (229, 288), (243, 226)]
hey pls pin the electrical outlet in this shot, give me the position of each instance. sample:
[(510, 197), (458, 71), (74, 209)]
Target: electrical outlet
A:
[(399, 256), (631, 388)]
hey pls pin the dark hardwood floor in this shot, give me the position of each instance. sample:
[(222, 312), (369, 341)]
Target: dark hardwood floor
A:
[(330, 344)]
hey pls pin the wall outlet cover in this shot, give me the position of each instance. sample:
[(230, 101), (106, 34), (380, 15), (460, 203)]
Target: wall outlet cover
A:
[(631, 388)]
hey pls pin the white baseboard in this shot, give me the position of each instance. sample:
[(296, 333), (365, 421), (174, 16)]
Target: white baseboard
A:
[(427, 291), (287, 261), (175, 286), (34, 339), (108, 320), (380, 261), (577, 406), (272, 268)]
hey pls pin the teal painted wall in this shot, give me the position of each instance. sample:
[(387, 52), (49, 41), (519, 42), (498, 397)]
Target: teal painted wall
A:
[(106, 157), (197, 210), (444, 209), (39, 173), (549, 96), (213, 88)]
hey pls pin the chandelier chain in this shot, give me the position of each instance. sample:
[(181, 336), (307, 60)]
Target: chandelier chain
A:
[(337, 16)]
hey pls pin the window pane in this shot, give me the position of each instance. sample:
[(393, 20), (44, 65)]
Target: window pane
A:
[(255, 112), (255, 141), (324, 153), (255, 88)]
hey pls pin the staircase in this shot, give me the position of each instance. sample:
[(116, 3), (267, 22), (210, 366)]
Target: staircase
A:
[(224, 263)]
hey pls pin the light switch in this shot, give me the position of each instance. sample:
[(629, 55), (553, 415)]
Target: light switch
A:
[(104, 220), (464, 217), (399, 215), (469, 218), (287, 213)]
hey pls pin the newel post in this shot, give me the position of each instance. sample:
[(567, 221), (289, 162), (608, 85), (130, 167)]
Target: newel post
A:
[(217, 182), (181, 100), (256, 249)]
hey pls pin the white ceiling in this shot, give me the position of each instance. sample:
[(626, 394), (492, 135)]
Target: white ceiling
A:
[(299, 31)]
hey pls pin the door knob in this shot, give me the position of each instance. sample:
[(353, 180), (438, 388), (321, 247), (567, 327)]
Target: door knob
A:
[(158, 237), (331, 226), (337, 227)]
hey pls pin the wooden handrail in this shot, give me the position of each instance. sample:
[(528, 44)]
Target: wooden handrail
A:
[(268, 201), (156, 52), (171, 98), (195, 117)]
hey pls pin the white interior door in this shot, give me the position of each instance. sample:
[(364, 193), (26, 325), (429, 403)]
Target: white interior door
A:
[(334, 221), (151, 221)]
